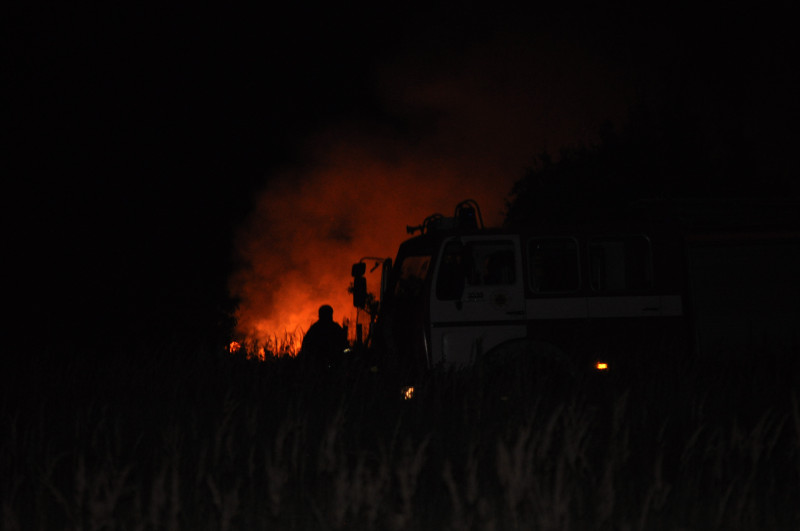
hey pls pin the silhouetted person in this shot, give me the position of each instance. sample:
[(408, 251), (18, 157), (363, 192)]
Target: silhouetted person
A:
[(325, 340)]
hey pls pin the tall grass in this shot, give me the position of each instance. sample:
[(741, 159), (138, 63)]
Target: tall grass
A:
[(221, 442), (275, 346)]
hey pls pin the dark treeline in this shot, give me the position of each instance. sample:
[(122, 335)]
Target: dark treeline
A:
[(663, 154)]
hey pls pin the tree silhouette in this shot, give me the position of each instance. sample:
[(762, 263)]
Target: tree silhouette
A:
[(664, 153)]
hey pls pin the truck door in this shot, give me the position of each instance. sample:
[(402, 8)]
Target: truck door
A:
[(477, 300)]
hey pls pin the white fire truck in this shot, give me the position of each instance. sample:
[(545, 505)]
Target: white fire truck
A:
[(593, 295)]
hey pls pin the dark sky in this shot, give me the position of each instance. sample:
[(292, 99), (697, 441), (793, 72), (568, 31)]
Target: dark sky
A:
[(139, 138)]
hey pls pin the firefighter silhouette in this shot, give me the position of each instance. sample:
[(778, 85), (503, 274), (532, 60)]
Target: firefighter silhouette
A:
[(325, 341)]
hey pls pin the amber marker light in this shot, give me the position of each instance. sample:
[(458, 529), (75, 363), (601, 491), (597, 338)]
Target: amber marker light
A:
[(601, 366)]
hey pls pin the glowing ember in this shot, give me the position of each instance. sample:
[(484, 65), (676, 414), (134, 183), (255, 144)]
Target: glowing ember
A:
[(259, 354), (601, 366), (234, 347)]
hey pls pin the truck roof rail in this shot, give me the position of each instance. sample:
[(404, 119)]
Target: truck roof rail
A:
[(467, 216)]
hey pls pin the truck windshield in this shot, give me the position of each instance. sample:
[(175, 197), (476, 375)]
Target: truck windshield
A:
[(477, 263), (413, 273)]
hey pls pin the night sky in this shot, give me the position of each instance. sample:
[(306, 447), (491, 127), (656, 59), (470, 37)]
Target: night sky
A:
[(149, 147)]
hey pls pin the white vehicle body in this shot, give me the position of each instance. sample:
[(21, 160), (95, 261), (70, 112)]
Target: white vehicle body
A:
[(600, 292)]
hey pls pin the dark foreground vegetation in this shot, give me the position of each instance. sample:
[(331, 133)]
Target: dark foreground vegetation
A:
[(213, 441)]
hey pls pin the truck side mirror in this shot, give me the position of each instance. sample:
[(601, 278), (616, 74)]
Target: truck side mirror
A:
[(358, 269), (359, 285), (359, 292), (385, 272)]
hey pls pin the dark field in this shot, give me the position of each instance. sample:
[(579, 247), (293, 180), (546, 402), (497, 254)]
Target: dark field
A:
[(191, 440)]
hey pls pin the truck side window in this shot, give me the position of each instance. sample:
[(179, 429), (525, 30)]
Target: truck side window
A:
[(492, 263), (553, 265), (622, 263)]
